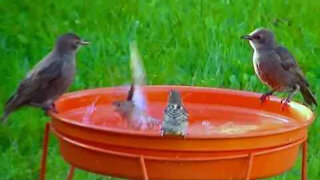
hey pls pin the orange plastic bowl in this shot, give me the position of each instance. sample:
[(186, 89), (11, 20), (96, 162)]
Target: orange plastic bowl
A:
[(241, 133)]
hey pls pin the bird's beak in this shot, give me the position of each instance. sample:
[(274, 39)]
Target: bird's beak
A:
[(84, 42), (246, 37)]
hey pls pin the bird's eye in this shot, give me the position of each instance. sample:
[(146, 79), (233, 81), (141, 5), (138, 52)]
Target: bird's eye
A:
[(258, 37), (77, 42)]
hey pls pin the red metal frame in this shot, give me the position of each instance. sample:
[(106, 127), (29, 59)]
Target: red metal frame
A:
[(304, 160), (144, 169), (44, 152), (71, 172), (141, 158), (249, 166)]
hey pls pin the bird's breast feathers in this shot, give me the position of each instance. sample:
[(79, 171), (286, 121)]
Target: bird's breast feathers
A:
[(176, 112), (264, 70)]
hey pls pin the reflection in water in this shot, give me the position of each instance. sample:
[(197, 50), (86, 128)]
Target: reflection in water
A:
[(232, 128), (207, 127), (229, 128)]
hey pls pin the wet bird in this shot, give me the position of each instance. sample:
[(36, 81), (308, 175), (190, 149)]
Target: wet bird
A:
[(136, 117), (133, 109), (49, 78), (176, 118), (276, 67)]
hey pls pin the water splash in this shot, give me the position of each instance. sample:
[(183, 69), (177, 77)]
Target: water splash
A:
[(138, 76), (139, 99), (134, 109), (89, 111)]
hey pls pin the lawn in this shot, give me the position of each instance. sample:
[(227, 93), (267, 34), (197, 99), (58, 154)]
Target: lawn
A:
[(186, 42)]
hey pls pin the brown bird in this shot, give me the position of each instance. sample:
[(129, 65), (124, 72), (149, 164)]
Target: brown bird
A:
[(276, 67), (49, 78), (136, 117)]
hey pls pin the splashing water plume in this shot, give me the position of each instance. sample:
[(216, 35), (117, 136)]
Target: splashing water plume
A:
[(138, 76), (134, 108), (89, 111)]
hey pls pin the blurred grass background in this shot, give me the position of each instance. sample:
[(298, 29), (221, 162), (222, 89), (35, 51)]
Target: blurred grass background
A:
[(185, 42)]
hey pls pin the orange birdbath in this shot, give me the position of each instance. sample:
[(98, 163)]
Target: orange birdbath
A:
[(230, 135)]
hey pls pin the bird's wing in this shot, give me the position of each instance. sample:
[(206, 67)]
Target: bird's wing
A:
[(289, 63), (40, 79), (51, 72)]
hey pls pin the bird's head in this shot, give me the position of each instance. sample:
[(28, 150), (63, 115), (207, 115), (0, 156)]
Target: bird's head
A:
[(69, 43), (174, 97), (260, 38), (123, 107)]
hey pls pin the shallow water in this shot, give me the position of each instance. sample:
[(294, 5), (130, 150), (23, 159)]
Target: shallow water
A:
[(203, 119)]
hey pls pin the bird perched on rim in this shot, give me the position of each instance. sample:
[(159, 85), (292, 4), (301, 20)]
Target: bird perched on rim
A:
[(176, 118), (276, 67), (136, 117), (49, 78)]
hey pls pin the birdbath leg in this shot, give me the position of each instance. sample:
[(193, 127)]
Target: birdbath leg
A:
[(71, 172), (304, 160), (248, 174), (44, 152), (143, 168)]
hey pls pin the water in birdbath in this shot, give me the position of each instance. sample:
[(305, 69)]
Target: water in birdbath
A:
[(205, 119)]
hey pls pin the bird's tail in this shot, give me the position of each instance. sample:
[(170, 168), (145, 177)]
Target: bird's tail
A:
[(4, 117), (12, 104), (308, 95)]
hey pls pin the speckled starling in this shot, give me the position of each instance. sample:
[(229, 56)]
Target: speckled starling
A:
[(176, 118)]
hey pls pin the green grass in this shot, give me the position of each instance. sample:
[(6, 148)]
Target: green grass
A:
[(182, 42)]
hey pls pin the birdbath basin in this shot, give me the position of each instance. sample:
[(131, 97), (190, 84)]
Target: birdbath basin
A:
[(230, 136)]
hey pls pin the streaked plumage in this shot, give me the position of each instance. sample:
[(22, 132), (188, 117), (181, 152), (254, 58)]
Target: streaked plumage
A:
[(176, 118)]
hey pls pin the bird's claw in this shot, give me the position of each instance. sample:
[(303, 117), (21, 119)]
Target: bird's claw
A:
[(285, 103), (184, 134), (264, 97), (51, 108), (161, 132)]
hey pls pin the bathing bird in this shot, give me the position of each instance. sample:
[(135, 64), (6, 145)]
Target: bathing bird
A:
[(136, 117), (176, 118)]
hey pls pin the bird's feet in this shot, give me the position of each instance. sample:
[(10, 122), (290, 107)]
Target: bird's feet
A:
[(285, 103), (184, 134), (264, 97), (51, 108), (161, 132)]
